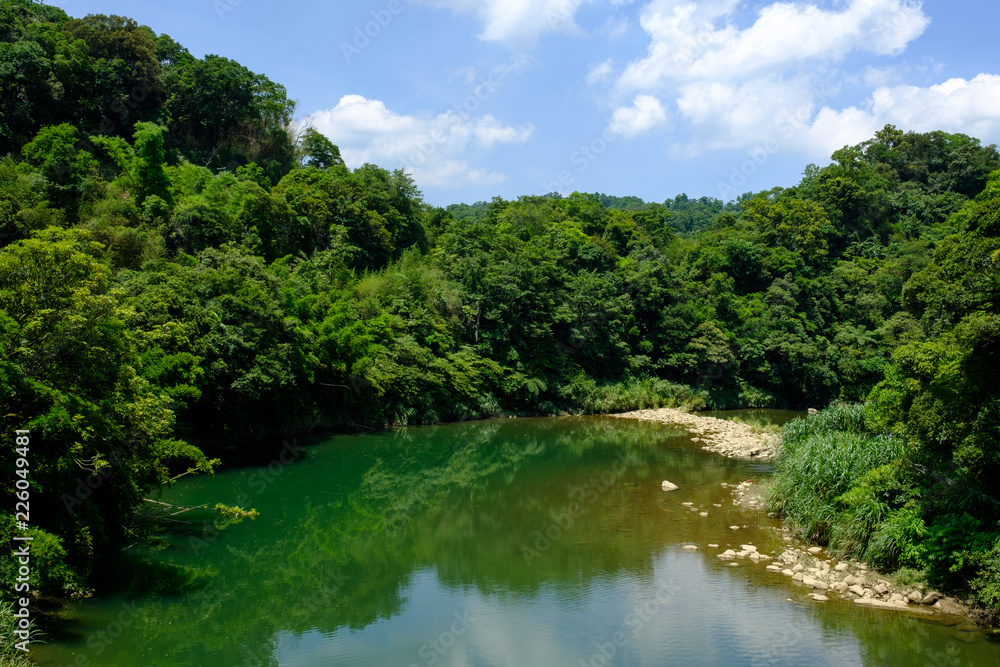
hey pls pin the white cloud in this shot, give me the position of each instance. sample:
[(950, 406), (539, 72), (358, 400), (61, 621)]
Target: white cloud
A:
[(958, 105), (645, 113), (734, 86), (600, 72), (688, 43), (517, 21), (432, 148)]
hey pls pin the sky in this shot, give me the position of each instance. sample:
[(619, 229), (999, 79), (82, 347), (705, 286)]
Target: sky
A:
[(651, 98)]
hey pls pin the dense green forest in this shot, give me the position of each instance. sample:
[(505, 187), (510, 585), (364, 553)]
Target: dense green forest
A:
[(182, 276)]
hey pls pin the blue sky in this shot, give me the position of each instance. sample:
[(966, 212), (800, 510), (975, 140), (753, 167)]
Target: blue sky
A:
[(477, 98)]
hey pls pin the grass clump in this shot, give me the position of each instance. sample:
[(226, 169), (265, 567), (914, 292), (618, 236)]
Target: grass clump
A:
[(861, 494)]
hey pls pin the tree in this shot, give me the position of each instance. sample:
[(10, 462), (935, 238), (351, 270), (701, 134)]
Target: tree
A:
[(315, 150)]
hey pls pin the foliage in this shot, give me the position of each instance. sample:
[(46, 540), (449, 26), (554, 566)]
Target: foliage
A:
[(176, 268)]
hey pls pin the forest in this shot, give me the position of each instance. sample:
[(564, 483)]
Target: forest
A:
[(185, 273)]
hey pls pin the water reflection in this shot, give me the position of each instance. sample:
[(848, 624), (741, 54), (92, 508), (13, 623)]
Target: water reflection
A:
[(493, 543)]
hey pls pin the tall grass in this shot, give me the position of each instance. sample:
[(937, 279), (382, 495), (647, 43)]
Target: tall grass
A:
[(838, 484), (10, 656), (586, 395)]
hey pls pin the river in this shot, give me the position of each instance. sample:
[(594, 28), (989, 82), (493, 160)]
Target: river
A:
[(504, 542)]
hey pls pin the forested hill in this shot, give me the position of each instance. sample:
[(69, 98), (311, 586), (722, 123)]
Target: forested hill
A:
[(180, 271)]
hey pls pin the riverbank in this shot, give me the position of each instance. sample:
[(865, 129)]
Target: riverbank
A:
[(811, 567), (721, 436)]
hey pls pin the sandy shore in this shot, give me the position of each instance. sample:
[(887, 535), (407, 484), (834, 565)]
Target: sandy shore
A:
[(721, 436)]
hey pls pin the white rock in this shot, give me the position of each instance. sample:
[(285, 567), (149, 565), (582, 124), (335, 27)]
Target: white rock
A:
[(857, 590), (787, 573), (669, 486), (734, 528), (748, 547), (714, 546), (819, 598), (841, 567), (797, 576), (702, 514), (799, 567), (688, 504), (690, 547), (815, 550), (773, 568)]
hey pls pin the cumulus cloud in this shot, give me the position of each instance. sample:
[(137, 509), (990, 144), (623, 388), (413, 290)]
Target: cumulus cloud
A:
[(431, 148), (517, 21), (957, 105), (688, 42), (777, 76), (645, 113)]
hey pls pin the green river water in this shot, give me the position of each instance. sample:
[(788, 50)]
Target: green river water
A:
[(505, 542)]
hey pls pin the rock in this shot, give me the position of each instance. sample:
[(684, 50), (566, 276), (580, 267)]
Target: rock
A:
[(860, 581), (688, 504), (841, 567), (773, 568), (948, 606), (713, 546), (797, 577), (897, 598), (810, 582), (840, 587), (879, 604), (931, 598), (881, 589), (669, 486), (798, 567), (748, 547), (815, 550), (788, 573), (916, 597), (728, 554), (857, 590), (734, 528), (734, 565), (690, 547), (819, 598), (849, 580), (702, 514), (813, 411)]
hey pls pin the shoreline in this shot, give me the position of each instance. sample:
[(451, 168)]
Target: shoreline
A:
[(811, 567), (721, 436)]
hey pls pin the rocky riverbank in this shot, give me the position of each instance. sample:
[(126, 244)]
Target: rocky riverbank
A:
[(729, 438), (826, 576), (810, 567)]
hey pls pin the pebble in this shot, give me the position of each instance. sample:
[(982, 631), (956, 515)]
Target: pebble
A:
[(734, 528), (702, 514), (690, 547)]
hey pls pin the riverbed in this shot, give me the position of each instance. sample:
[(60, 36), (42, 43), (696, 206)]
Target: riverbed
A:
[(504, 542)]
